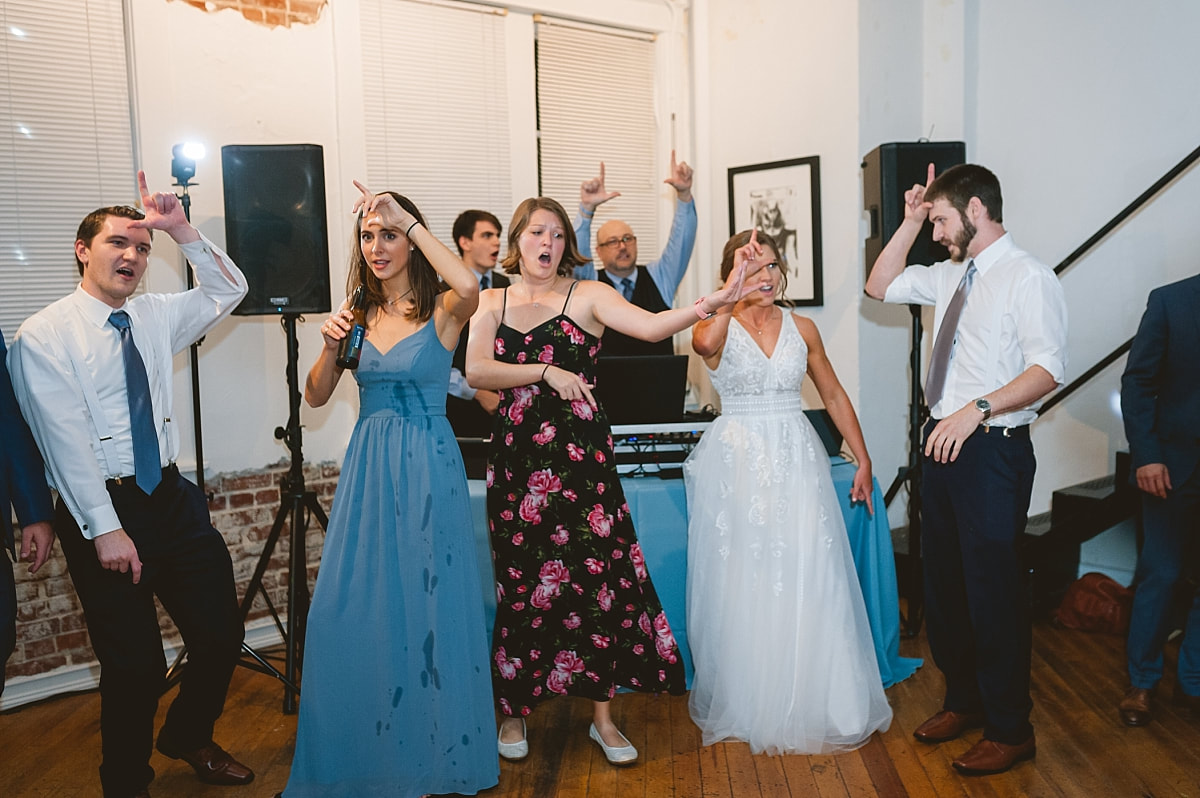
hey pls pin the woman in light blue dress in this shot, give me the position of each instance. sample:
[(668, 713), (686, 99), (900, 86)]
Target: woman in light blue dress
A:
[(396, 695)]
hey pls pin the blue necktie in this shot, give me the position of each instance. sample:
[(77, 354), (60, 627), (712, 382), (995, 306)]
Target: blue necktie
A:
[(484, 283), (147, 468), (627, 288)]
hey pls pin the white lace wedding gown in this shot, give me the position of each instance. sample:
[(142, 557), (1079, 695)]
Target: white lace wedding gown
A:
[(775, 615)]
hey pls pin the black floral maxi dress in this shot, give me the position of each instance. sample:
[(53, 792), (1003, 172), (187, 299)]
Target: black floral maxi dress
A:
[(577, 614)]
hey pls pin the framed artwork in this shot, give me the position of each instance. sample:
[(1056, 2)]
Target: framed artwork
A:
[(783, 198)]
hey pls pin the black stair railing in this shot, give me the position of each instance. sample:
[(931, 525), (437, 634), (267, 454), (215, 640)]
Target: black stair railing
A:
[(1129, 210)]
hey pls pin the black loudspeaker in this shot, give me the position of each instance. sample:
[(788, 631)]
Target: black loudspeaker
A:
[(888, 171), (275, 226)]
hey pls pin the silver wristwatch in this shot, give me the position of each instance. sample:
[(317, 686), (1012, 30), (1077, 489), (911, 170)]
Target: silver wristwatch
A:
[(985, 407)]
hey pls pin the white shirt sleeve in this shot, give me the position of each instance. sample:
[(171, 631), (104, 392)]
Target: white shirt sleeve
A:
[(50, 399)]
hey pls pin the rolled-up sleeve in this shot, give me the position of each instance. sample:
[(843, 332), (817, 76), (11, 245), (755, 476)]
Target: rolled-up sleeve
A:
[(1042, 324), (916, 285)]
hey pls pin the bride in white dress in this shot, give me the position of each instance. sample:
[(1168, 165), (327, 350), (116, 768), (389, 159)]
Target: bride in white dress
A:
[(775, 615)]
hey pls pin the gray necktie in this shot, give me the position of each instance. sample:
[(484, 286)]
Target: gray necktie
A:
[(939, 363), (627, 288), (147, 468)]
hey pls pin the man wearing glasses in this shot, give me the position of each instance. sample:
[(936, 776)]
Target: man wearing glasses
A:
[(652, 286)]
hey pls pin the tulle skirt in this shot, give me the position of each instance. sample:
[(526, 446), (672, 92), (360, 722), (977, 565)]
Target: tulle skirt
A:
[(778, 629)]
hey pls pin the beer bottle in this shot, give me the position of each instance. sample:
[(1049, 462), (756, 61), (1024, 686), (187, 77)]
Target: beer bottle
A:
[(351, 346)]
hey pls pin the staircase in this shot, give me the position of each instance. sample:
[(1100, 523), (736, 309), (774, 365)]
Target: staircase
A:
[(1049, 549)]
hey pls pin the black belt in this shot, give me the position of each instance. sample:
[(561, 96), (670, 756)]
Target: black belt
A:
[(117, 482), (1009, 432)]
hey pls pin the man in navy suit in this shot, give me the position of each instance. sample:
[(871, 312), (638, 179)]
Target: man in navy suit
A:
[(1160, 401), (22, 488)]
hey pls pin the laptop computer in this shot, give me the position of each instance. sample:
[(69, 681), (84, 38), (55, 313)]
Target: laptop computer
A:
[(643, 389)]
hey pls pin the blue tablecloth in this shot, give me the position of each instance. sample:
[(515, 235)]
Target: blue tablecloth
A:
[(659, 509)]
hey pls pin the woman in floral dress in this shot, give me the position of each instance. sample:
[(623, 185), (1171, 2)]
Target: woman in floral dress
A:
[(577, 612)]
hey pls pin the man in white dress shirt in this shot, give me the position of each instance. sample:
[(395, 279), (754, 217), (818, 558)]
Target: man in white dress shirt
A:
[(1000, 345), (93, 376)]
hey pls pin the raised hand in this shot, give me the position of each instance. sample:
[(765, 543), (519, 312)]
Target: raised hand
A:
[(915, 206), (680, 179), (382, 209), (593, 194), (164, 212), (337, 326), (750, 255)]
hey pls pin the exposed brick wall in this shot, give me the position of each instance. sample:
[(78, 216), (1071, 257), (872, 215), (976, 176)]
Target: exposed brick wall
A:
[(51, 632), (272, 13)]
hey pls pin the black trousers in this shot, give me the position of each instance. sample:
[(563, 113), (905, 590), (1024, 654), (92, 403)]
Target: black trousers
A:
[(186, 564), (977, 614)]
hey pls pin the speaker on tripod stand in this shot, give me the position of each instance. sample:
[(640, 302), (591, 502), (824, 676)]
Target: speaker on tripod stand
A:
[(888, 171), (276, 231)]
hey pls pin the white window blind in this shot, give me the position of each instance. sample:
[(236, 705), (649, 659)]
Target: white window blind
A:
[(65, 141), (436, 107), (586, 116)]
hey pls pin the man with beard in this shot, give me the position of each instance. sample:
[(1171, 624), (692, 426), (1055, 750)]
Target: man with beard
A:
[(470, 411), (1000, 345)]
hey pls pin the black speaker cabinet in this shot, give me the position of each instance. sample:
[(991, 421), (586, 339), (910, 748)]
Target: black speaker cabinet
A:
[(275, 226), (888, 171)]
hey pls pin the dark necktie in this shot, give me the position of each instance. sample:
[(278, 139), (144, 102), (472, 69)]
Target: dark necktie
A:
[(939, 363), (147, 468), (627, 288), (484, 282)]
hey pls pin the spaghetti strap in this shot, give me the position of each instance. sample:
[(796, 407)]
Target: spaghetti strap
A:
[(504, 304), (567, 301)]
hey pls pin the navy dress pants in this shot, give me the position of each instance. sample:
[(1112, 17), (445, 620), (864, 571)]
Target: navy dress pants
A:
[(977, 613)]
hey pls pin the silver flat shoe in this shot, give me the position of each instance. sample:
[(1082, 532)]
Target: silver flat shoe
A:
[(514, 751), (615, 754)]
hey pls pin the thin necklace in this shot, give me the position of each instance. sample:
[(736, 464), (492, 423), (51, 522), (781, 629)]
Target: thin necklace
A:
[(397, 299), (537, 303), (744, 319)]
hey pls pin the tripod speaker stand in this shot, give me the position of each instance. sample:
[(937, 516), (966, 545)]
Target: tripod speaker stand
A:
[(296, 503)]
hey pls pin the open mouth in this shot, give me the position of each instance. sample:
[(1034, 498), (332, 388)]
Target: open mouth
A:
[(544, 258), (125, 271)]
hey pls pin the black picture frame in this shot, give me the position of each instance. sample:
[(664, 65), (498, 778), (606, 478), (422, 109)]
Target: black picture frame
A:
[(783, 198)]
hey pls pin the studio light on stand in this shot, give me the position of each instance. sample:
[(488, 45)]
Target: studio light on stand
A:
[(183, 169)]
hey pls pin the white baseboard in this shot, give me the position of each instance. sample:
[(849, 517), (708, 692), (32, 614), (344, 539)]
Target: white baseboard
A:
[(23, 690)]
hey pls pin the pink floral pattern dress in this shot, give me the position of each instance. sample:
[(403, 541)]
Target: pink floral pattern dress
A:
[(577, 613)]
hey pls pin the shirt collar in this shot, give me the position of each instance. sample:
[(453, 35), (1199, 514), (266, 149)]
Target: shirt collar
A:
[(993, 253), (93, 309)]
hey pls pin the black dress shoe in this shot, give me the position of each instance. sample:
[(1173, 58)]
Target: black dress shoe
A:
[(1136, 707), (212, 764)]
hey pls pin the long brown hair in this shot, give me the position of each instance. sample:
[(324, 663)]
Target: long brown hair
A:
[(739, 240), (421, 275), (571, 258)]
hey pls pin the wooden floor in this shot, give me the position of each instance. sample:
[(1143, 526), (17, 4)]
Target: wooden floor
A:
[(52, 749)]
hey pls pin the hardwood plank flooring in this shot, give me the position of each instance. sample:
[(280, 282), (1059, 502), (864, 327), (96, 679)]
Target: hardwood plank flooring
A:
[(52, 748)]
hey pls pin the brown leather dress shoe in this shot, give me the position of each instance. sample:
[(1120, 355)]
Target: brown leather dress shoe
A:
[(1136, 709), (947, 725), (989, 756), (212, 764)]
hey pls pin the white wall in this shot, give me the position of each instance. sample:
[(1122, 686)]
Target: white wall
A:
[(219, 79), (1076, 114)]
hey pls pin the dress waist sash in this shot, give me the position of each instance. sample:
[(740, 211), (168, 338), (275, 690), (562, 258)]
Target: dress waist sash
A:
[(398, 399), (754, 404)]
